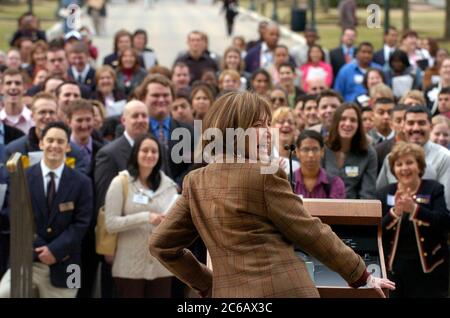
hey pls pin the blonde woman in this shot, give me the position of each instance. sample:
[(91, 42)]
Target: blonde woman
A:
[(284, 127), (440, 132), (415, 227), (232, 60), (229, 80)]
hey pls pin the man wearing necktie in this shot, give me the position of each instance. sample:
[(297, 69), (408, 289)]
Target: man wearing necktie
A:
[(383, 55), (80, 114), (80, 69), (157, 94), (344, 53), (61, 199)]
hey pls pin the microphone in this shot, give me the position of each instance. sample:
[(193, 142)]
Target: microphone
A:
[(291, 149)]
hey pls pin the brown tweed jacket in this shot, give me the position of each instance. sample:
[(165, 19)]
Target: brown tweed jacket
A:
[(248, 222)]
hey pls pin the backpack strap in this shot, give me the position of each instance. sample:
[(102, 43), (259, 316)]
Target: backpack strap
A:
[(124, 179)]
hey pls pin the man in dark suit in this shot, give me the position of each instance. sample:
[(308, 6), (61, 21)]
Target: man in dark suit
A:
[(112, 159), (157, 93), (80, 116), (4, 219), (79, 68), (262, 54), (390, 44), (9, 133), (344, 53), (385, 147), (197, 58), (62, 206), (57, 65)]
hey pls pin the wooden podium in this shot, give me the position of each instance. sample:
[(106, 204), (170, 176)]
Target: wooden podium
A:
[(358, 224)]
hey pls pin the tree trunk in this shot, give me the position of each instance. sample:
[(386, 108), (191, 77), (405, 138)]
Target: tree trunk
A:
[(405, 7), (447, 20), (325, 5)]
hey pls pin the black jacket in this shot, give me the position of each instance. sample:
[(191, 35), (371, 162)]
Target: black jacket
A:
[(429, 229)]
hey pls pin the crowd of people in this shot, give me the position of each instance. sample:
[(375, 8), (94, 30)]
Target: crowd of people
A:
[(367, 123)]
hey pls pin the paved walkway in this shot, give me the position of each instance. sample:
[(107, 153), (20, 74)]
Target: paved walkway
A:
[(168, 23)]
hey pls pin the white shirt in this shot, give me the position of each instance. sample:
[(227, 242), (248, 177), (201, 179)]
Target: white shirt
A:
[(83, 73), (46, 177), (387, 52), (266, 58), (129, 139)]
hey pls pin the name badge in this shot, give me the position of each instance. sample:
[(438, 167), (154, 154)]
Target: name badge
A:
[(424, 199), (358, 79), (140, 199), (390, 200), (352, 171), (67, 206)]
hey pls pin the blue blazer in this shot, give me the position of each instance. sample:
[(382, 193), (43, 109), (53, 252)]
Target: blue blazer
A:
[(252, 59), (89, 81), (63, 227)]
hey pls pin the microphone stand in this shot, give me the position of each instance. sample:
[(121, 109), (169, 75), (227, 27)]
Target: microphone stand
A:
[(291, 149)]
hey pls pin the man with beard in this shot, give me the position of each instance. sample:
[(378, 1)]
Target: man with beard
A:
[(43, 112), (417, 128)]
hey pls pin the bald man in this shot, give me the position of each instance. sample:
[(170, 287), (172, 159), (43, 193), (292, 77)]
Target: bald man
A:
[(261, 55), (316, 85), (112, 158)]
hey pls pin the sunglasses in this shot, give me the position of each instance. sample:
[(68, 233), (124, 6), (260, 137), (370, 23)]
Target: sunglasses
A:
[(279, 99)]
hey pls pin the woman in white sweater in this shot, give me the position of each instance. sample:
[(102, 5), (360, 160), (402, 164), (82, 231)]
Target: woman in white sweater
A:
[(149, 195)]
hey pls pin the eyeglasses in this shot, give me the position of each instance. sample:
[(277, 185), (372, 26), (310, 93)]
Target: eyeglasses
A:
[(285, 121), (279, 99), (314, 150)]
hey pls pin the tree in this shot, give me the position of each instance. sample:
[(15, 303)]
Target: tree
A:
[(405, 7), (447, 20)]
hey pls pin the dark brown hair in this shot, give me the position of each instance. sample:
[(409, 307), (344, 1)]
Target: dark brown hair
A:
[(359, 142)]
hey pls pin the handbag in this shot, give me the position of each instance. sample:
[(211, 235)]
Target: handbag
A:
[(105, 242)]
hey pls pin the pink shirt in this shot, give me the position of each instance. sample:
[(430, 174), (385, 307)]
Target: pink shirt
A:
[(23, 121)]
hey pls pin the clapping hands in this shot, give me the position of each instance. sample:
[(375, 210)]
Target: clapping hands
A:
[(404, 202)]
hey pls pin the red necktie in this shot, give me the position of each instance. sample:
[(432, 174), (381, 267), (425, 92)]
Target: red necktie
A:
[(348, 58)]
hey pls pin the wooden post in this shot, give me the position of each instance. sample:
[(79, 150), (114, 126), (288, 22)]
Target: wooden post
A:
[(22, 231)]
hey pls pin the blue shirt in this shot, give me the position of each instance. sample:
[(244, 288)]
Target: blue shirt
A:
[(2, 133), (85, 149), (349, 81), (350, 51), (154, 124)]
